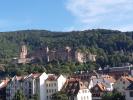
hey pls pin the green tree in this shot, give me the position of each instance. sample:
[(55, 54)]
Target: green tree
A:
[(19, 95), (59, 96), (36, 97), (113, 96)]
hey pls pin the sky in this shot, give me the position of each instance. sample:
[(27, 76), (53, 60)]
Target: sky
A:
[(66, 15)]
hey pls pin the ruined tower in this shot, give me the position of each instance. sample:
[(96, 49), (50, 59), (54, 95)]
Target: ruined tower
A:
[(23, 52), (47, 54)]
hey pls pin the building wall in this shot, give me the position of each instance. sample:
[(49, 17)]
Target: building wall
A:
[(128, 97), (84, 94), (90, 84), (54, 86), (60, 82), (51, 88), (12, 88), (3, 93), (42, 86), (121, 85), (29, 87)]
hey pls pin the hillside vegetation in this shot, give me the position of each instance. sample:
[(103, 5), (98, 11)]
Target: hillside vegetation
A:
[(112, 48)]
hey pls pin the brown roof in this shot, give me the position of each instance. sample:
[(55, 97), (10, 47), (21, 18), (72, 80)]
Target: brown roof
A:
[(37, 75), (52, 78), (101, 87), (129, 79), (73, 86)]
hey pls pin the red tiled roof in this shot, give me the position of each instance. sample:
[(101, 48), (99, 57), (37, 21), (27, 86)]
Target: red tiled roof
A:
[(36, 75), (101, 87), (73, 86), (130, 79), (52, 78)]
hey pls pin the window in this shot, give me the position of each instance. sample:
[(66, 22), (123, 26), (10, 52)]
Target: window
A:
[(54, 84), (85, 91), (30, 91), (84, 98), (29, 84), (30, 96), (81, 98), (131, 94), (47, 90)]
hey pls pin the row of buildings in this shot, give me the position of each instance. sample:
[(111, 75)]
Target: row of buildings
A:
[(59, 54), (81, 86), (43, 85), (34, 84)]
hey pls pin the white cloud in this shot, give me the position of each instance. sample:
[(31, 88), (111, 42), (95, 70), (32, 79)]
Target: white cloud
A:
[(101, 13)]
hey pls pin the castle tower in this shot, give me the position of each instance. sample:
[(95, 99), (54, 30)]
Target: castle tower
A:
[(47, 54), (23, 52), (68, 51)]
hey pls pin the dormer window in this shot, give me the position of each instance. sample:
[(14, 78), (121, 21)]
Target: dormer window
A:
[(96, 88), (81, 84), (123, 82)]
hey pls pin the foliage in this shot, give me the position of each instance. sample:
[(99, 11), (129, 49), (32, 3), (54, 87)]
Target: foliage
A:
[(59, 96), (36, 97), (113, 48), (19, 95), (113, 96)]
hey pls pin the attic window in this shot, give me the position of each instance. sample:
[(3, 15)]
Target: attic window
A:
[(75, 84), (123, 82), (81, 84), (70, 84)]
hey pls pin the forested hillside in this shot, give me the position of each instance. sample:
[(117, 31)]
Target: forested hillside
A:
[(112, 48)]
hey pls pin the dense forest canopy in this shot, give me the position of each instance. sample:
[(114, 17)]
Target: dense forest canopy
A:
[(112, 47)]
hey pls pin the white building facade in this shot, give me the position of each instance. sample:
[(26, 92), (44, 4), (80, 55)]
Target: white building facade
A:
[(53, 84)]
